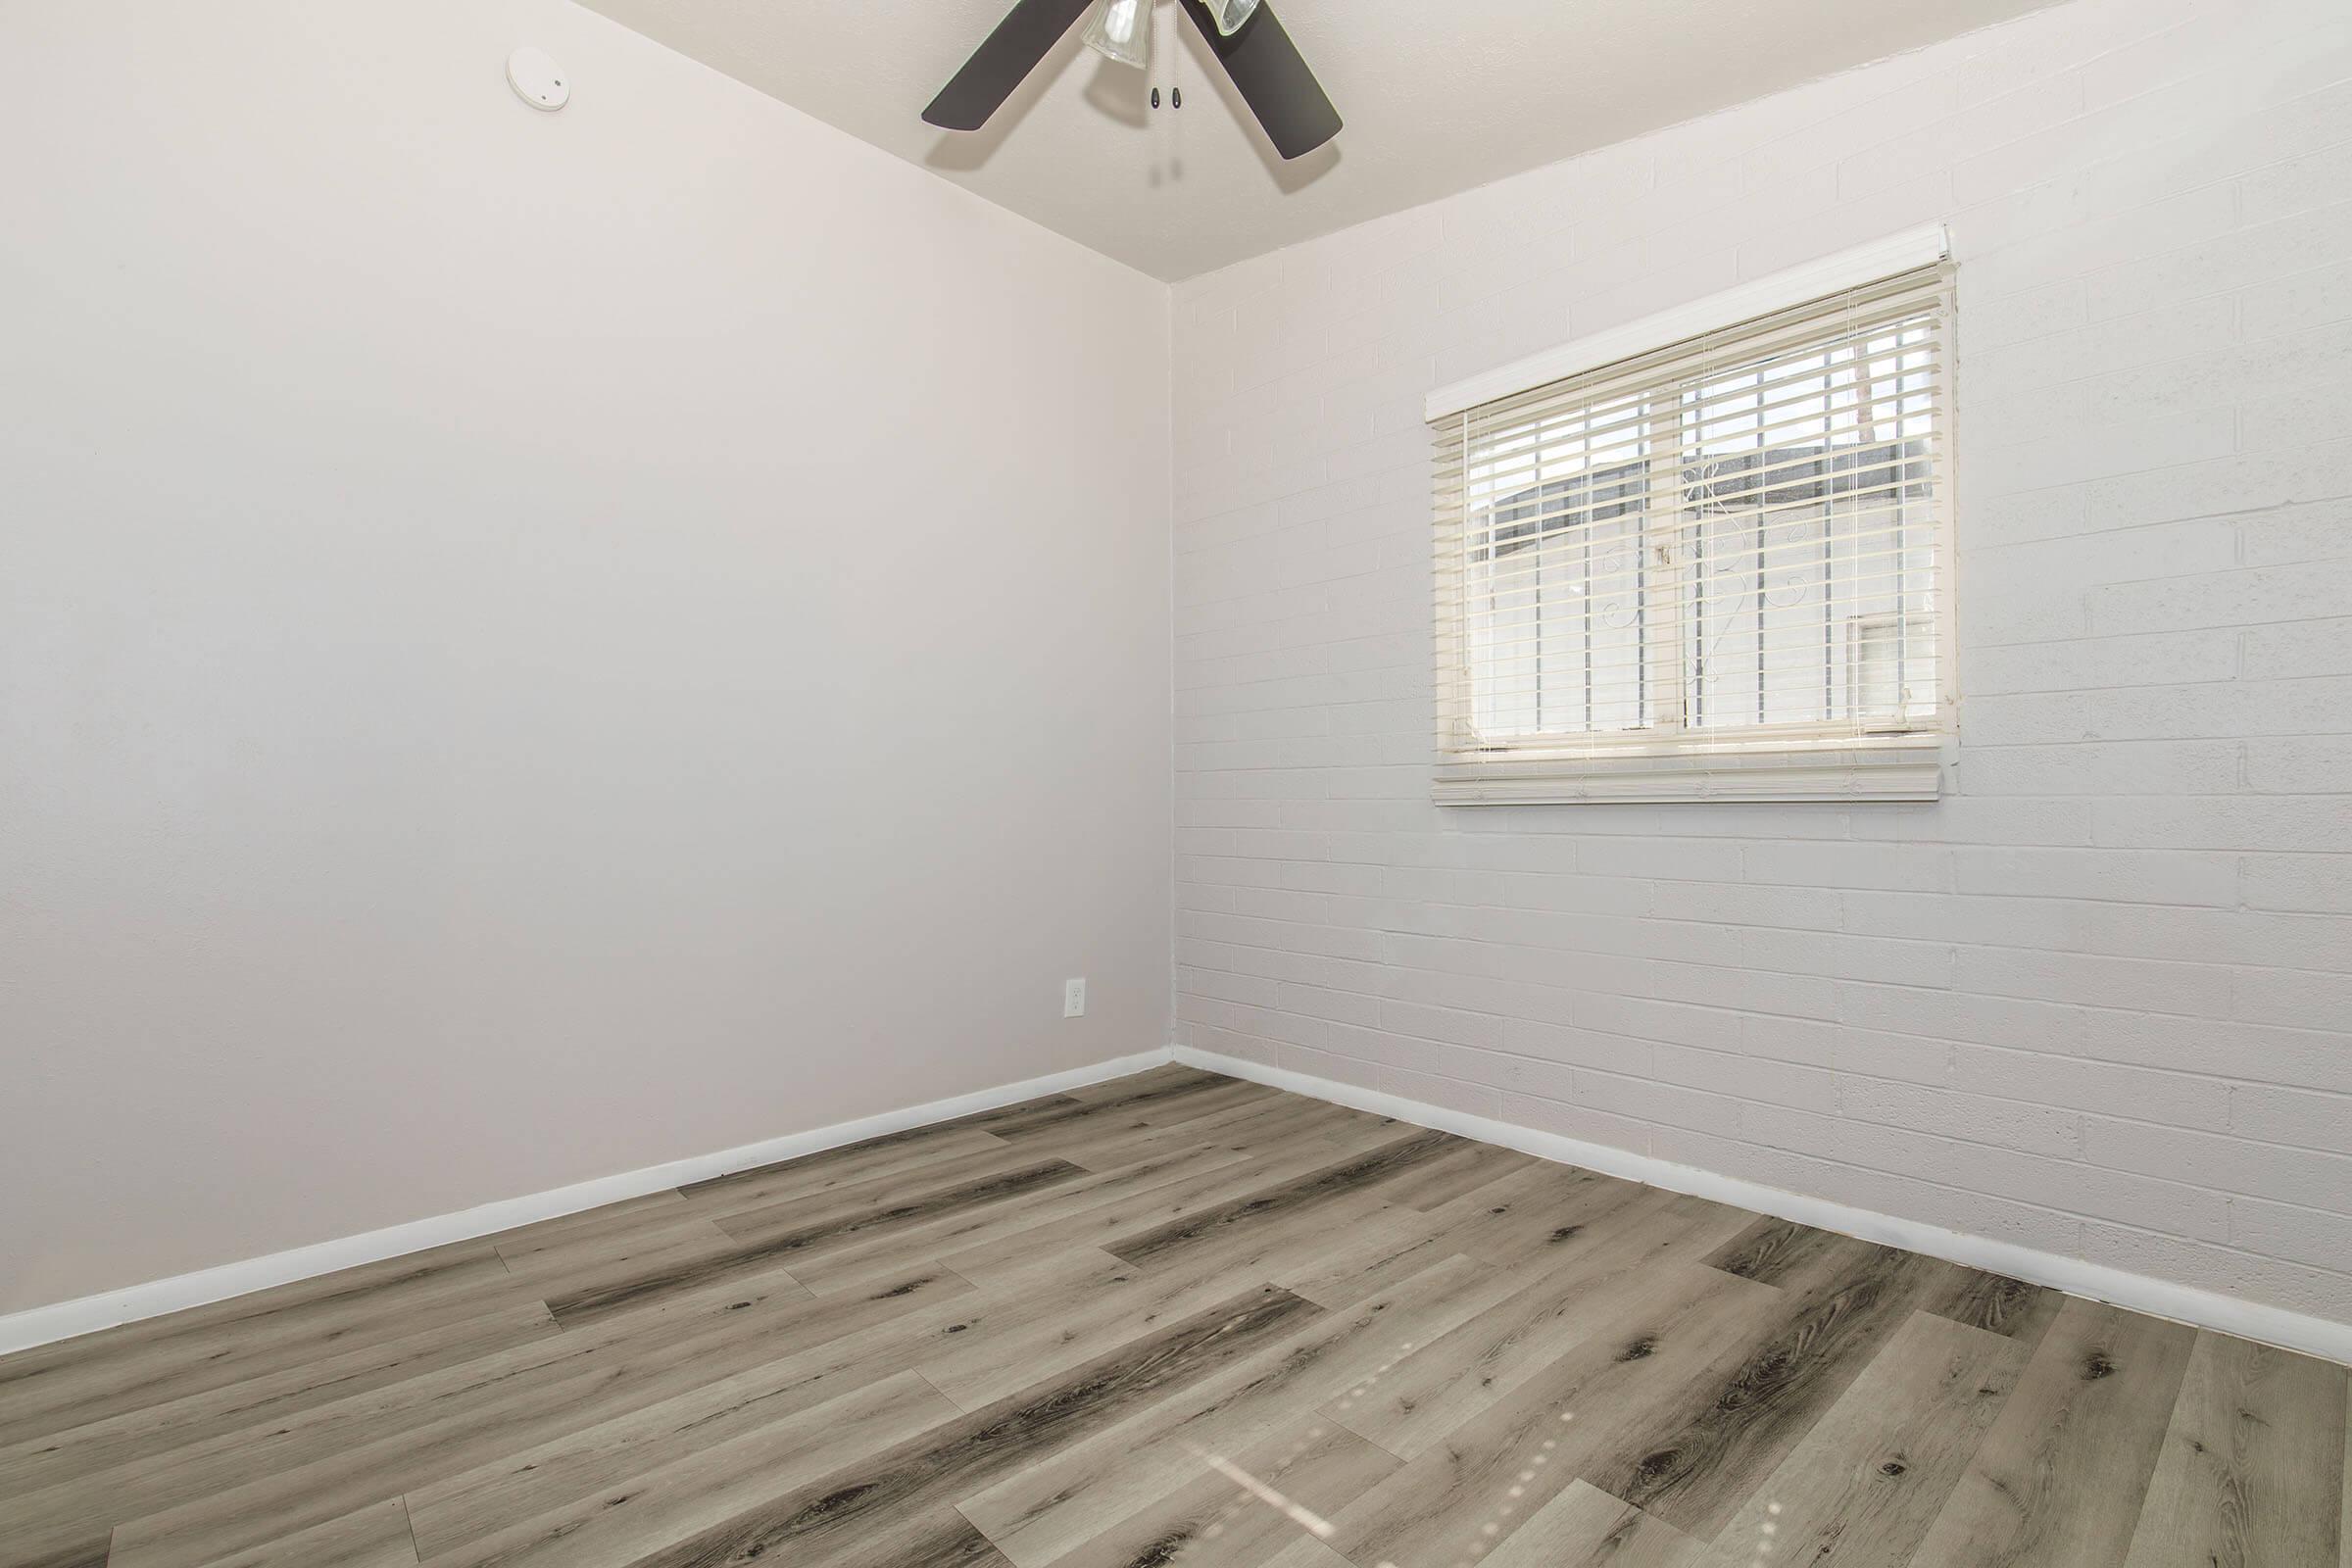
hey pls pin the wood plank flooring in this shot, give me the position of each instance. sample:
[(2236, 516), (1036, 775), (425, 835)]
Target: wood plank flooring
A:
[(1172, 1321)]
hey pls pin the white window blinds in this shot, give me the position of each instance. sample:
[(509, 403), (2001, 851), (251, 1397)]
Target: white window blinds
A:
[(1713, 569)]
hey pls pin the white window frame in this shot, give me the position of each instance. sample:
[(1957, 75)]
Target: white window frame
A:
[(1744, 762)]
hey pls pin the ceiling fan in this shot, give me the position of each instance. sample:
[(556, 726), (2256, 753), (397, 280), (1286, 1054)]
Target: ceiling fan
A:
[(1246, 36)]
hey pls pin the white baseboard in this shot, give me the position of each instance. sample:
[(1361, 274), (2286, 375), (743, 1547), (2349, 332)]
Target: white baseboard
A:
[(2250, 1320), (43, 1325)]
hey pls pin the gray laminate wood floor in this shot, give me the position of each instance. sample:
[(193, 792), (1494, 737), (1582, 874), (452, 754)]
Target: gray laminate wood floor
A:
[(1170, 1320)]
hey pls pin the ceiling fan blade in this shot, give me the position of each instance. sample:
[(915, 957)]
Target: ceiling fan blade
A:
[(1273, 79), (1029, 31)]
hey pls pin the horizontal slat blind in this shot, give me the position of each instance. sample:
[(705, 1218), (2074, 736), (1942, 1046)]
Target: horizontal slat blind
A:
[(1721, 556)]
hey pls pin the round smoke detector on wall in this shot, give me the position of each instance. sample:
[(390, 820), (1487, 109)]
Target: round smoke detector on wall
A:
[(537, 80)]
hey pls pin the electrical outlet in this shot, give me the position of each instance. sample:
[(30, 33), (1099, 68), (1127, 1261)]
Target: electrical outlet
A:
[(1073, 998)]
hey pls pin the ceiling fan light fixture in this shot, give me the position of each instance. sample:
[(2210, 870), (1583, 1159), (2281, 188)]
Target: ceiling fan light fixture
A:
[(1257, 56), (1121, 30), (1231, 13)]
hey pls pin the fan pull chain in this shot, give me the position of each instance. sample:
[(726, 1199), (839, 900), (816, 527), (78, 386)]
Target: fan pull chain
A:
[(1175, 88)]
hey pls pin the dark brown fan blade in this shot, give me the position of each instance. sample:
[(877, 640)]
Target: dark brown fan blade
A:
[(1273, 79), (1028, 31)]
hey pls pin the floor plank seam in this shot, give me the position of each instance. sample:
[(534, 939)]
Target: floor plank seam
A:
[(958, 1404), (976, 1287)]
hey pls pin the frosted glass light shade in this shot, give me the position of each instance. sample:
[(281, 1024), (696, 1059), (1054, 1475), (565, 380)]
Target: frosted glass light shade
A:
[(1121, 29), (1231, 13)]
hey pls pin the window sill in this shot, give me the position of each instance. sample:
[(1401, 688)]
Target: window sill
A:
[(1911, 771)]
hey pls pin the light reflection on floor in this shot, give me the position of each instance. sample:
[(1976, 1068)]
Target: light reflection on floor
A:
[(1490, 1534)]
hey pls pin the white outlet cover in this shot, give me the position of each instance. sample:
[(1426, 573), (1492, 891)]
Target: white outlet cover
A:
[(537, 80)]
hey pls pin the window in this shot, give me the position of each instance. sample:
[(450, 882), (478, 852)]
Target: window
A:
[(1714, 569)]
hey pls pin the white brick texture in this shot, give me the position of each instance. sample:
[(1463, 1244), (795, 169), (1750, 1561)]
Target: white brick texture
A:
[(2097, 1000)]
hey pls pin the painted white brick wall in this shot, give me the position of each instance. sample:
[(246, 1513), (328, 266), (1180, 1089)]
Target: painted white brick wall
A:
[(2097, 1000)]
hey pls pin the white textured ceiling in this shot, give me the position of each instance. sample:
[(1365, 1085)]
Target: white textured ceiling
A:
[(1439, 95)]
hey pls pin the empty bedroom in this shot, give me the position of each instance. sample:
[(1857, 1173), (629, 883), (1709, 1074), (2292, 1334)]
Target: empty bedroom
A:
[(1175, 784)]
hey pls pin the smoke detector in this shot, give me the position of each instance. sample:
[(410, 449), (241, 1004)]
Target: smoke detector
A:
[(537, 80)]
